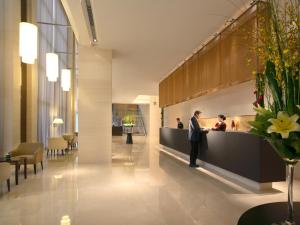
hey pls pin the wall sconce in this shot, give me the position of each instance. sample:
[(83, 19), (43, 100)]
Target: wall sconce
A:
[(28, 42), (66, 79), (52, 67)]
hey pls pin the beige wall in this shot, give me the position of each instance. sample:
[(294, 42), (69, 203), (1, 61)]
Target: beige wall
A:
[(95, 105), (232, 102), (10, 71)]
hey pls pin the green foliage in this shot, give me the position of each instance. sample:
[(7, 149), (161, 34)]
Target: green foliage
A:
[(288, 149), (261, 124), (278, 46), (129, 118)]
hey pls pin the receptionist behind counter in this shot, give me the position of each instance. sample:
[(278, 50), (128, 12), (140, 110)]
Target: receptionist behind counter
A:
[(179, 123), (220, 125)]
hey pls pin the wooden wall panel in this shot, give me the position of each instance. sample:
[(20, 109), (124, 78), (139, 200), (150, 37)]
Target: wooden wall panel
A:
[(194, 76), (212, 66), (201, 73), (221, 63), (226, 51), (178, 83), (170, 83), (235, 43), (185, 73), (161, 90)]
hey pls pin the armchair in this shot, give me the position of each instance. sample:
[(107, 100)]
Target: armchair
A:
[(5, 173), (33, 152), (57, 143)]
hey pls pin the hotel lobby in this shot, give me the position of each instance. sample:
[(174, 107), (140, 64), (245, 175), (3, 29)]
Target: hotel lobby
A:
[(149, 112)]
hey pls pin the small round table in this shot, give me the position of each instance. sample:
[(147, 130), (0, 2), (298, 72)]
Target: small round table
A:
[(269, 214)]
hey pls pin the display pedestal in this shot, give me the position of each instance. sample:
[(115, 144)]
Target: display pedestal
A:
[(129, 138)]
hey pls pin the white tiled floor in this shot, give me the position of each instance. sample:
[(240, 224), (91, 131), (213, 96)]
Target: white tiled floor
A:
[(142, 187)]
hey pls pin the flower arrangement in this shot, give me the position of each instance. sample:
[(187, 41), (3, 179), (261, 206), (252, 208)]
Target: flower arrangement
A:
[(278, 45), (129, 120)]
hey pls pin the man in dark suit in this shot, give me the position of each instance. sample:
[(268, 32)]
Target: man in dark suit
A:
[(194, 137)]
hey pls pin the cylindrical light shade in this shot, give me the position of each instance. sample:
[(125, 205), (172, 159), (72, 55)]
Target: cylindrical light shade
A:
[(52, 66), (28, 42), (66, 79)]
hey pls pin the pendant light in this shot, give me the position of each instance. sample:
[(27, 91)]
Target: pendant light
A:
[(52, 66), (28, 34), (66, 79)]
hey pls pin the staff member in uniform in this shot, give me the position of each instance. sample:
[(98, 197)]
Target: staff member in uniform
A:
[(221, 125), (179, 123), (194, 137)]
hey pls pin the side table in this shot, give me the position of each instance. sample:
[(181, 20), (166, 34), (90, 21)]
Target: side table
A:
[(17, 161)]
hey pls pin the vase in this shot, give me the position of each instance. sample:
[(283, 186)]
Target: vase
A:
[(290, 217), (286, 153)]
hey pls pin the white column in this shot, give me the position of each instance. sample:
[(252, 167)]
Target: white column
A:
[(155, 119), (10, 70), (32, 85), (95, 105)]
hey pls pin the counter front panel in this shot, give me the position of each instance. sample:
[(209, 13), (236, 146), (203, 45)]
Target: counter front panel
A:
[(240, 153)]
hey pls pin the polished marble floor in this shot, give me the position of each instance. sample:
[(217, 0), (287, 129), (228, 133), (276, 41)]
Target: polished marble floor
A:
[(142, 187)]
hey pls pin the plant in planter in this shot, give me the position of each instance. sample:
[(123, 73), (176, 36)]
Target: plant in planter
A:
[(278, 46), (129, 120)]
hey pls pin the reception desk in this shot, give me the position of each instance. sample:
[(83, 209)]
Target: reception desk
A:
[(240, 153), (117, 131)]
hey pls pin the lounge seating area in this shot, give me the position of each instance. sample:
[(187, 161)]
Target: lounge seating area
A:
[(25, 154), (33, 154)]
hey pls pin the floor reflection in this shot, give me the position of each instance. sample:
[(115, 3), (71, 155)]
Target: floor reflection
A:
[(142, 187)]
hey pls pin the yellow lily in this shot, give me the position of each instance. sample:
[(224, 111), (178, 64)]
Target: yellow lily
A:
[(284, 124)]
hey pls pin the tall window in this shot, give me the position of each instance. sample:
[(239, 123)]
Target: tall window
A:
[(55, 36)]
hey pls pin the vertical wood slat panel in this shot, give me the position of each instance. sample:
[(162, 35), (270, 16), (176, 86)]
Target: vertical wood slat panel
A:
[(235, 53), (201, 73), (170, 83), (194, 75), (182, 84), (212, 71), (221, 63), (178, 82), (161, 94), (189, 78)]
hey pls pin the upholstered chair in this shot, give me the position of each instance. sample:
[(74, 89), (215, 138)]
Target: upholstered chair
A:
[(56, 144), (5, 173), (33, 152), (74, 142)]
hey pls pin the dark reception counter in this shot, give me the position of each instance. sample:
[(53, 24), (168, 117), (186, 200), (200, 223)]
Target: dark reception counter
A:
[(241, 153)]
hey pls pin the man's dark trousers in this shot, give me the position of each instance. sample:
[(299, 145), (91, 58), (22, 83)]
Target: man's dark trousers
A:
[(194, 152)]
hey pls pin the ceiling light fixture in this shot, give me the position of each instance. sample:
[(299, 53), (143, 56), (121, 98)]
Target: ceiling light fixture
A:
[(66, 79), (28, 42), (52, 67)]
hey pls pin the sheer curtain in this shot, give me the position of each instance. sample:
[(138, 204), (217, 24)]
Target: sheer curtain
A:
[(52, 101)]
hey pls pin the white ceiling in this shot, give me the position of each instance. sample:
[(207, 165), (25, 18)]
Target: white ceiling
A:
[(149, 38)]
